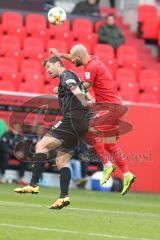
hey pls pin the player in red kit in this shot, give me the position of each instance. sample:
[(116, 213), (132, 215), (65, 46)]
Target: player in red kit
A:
[(99, 78)]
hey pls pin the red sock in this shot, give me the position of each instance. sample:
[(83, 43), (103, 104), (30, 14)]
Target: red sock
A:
[(99, 147), (118, 156)]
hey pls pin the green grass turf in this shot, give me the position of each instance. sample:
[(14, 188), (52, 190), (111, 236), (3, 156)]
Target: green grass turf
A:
[(91, 216)]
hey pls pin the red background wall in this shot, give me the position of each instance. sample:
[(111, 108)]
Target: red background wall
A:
[(142, 146)]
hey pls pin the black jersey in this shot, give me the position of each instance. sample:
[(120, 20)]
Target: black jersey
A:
[(70, 106)]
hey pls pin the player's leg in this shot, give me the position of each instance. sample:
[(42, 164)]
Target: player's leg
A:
[(39, 159), (120, 160), (96, 139), (72, 131), (42, 147), (104, 156), (65, 177)]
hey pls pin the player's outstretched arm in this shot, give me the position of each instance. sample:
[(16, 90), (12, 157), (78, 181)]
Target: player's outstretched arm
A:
[(90, 98), (55, 53), (80, 95)]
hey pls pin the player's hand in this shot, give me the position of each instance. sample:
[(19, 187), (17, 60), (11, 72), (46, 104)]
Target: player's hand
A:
[(55, 90), (54, 52), (90, 104)]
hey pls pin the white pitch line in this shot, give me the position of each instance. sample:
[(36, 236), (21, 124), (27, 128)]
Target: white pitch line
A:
[(115, 212), (21, 204), (82, 209), (106, 201), (102, 235)]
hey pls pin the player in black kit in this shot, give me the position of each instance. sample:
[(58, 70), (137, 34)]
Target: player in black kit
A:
[(65, 135)]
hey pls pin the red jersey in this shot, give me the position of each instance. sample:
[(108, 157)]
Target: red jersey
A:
[(102, 81)]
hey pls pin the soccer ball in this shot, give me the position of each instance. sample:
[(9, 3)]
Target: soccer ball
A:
[(57, 15)]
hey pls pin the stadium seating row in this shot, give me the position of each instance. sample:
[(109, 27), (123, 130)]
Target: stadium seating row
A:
[(149, 22), (33, 79), (44, 39), (130, 92), (34, 48), (35, 23), (28, 44)]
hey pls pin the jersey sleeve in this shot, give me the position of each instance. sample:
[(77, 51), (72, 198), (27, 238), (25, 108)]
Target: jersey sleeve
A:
[(69, 80), (90, 73)]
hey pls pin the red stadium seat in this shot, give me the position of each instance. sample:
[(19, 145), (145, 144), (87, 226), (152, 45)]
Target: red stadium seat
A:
[(11, 20), (81, 32), (48, 89), (15, 78), (147, 58), (60, 33), (152, 87), (129, 91), (98, 24), (154, 66), (31, 67), (150, 75), (31, 88), (137, 43), (36, 78), (1, 31), (89, 39), (10, 47), (6, 86), (130, 96), (148, 98), (137, 67), (43, 36), (33, 48), (8, 65), (35, 24), (150, 28), (80, 25), (146, 12), (16, 55), (66, 36), (126, 55), (19, 32), (125, 76), (159, 38), (104, 51), (53, 29), (60, 45), (150, 81), (112, 65), (9, 44)]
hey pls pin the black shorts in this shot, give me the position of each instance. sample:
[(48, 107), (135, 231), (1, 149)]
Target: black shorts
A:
[(69, 131)]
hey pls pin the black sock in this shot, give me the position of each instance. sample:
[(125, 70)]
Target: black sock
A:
[(38, 167), (65, 176)]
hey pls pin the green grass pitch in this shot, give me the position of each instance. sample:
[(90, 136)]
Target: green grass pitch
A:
[(91, 216)]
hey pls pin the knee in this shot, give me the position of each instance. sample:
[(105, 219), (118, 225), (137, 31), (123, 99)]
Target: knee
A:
[(60, 163), (39, 147), (111, 147)]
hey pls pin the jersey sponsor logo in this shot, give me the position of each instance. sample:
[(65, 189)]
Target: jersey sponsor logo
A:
[(87, 75)]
